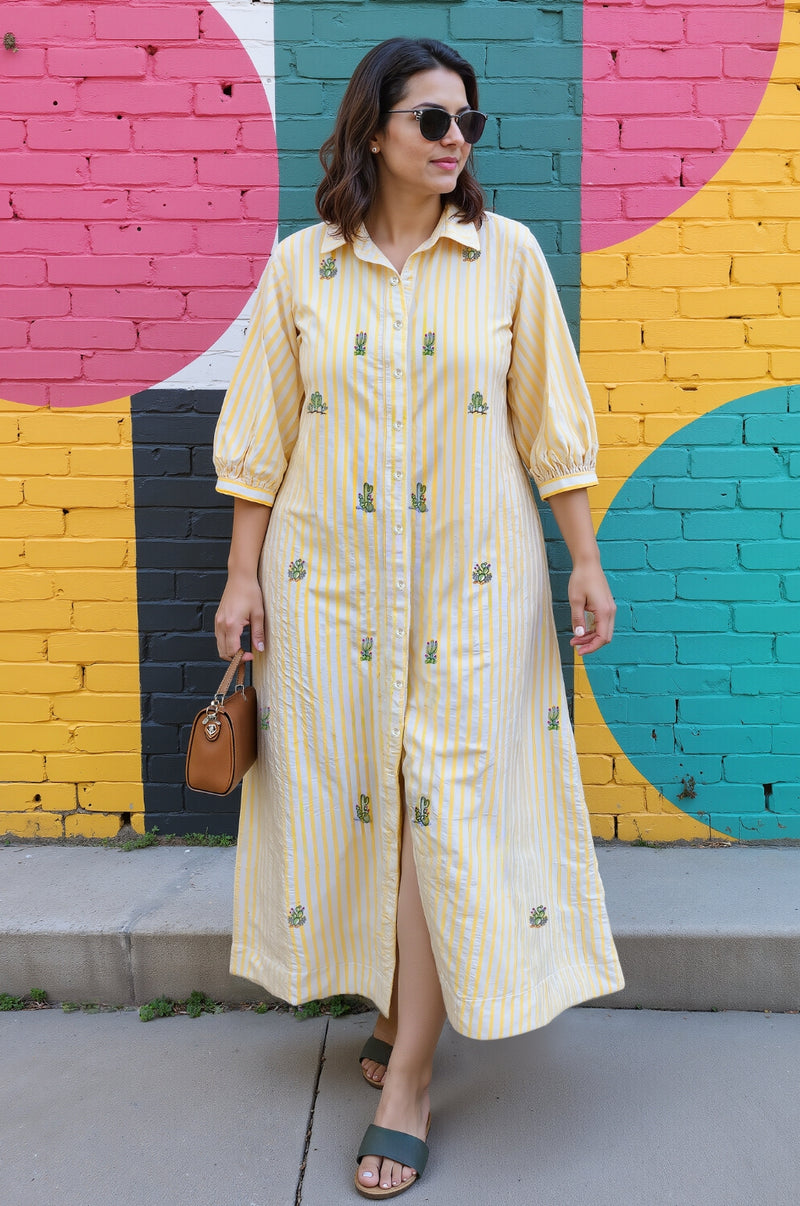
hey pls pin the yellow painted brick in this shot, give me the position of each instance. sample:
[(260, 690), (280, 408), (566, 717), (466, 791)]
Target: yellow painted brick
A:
[(115, 617), (31, 824), (594, 739), (648, 828), (46, 614), (766, 269), (86, 648), (52, 797), (611, 367), (772, 134), (785, 365), (24, 709), (654, 397), (23, 646), (732, 302), (23, 459), (10, 492), (53, 554), (113, 678), (619, 461), (28, 521), (100, 707), (616, 797), (108, 797), (758, 167), (597, 268), (766, 203), (603, 827), (81, 768), (603, 494), (76, 492), (619, 429), (658, 428), (790, 301), (663, 239), (626, 772), (9, 429), (21, 768), (655, 801), (99, 584), (793, 236), (91, 825), (117, 523), (774, 332), (68, 428), (35, 738), (599, 397), (659, 271), (735, 365), (596, 768), (710, 202), (102, 462), (12, 552), (734, 236), (693, 333), (625, 304), (42, 678), (611, 336), (108, 738), (26, 584)]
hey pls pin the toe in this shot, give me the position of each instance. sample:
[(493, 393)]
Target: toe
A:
[(368, 1171), (374, 1072)]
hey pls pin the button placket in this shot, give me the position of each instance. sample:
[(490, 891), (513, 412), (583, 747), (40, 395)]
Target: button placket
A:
[(397, 534)]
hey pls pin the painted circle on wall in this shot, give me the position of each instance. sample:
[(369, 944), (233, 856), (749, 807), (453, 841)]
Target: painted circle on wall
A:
[(138, 194), (701, 684)]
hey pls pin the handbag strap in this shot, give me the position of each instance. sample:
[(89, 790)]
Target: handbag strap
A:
[(236, 667)]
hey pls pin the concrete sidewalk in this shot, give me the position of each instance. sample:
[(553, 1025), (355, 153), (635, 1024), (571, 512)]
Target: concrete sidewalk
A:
[(604, 1107)]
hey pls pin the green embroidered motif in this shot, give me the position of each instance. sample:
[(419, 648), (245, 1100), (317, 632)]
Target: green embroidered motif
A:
[(470, 254), (422, 812), (539, 917), (482, 572), (553, 715), (363, 812), (297, 916), (327, 268), (476, 404), (315, 404), (366, 648), (360, 348), (428, 343), (265, 719), (431, 652), (418, 499), (297, 570), (366, 499)]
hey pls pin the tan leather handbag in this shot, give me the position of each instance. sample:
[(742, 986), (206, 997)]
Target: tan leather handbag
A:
[(223, 741)]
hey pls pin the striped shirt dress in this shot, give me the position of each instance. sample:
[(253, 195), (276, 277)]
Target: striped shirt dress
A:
[(393, 421)]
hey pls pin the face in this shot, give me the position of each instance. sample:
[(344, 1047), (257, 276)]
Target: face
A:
[(408, 162)]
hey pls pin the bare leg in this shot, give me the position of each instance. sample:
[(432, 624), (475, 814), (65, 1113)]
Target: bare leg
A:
[(405, 1103)]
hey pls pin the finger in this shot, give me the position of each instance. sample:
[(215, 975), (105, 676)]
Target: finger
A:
[(257, 633)]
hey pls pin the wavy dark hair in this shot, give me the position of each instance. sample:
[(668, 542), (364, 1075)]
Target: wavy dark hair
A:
[(378, 84)]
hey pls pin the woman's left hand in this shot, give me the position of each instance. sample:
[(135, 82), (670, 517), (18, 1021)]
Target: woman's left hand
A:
[(589, 592)]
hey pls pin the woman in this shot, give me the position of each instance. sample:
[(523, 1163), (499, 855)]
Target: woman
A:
[(414, 830)]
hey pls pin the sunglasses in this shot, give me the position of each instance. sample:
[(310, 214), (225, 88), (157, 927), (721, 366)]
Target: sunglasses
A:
[(434, 123)]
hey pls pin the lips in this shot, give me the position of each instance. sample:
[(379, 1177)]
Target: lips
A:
[(446, 164)]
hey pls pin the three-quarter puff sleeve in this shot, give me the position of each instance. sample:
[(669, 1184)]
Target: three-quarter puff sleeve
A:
[(551, 412), (258, 423)]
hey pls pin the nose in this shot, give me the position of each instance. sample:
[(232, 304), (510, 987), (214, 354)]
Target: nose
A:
[(453, 133)]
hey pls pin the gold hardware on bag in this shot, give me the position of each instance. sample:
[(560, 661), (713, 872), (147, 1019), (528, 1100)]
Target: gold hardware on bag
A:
[(229, 729)]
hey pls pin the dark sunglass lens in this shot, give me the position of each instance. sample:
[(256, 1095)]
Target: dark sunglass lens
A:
[(472, 125), (434, 124)]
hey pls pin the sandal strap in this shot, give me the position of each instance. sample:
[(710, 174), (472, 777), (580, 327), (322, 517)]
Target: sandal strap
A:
[(376, 1049), (395, 1145)]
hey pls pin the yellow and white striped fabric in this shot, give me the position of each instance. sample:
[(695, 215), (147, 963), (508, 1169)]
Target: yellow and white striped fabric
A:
[(411, 661)]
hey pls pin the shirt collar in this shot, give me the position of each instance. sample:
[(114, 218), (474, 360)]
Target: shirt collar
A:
[(448, 227)]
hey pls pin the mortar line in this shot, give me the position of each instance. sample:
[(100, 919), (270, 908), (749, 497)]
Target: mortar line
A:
[(298, 1197)]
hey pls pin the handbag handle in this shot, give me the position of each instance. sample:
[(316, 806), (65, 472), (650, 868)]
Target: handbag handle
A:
[(236, 667)]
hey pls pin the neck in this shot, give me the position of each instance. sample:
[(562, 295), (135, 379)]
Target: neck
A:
[(399, 224)]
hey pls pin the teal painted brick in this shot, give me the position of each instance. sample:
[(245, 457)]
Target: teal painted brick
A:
[(635, 494), (742, 525), (526, 96), (737, 648), (777, 617), (794, 464), (533, 61), (681, 617), (572, 23), (676, 555), (604, 680), (548, 236), (729, 586), (790, 526), (786, 740), (304, 134), (300, 175), (768, 554), (714, 739), (657, 650), (728, 799), (794, 398), (624, 554), (722, 823), (673, 461), (791, 587), (751, 768), (790, 709), (653, 709), (718, 428), (285, 63), (643, 588), (771, 826), (765, 680), (296, 23), (539, 133), (772, 429), (687, 495), (646, 738), (734, 463), (765, 401), (539, 204), (426, 20), (513, 22), (658, 525), (778, 496), (666, 771), (307, 97), (328, 62), (785, 797), (495, 167), (568, 167), (674, 681), (730, 709)]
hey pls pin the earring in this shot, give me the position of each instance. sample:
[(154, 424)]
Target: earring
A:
[(374, 150)]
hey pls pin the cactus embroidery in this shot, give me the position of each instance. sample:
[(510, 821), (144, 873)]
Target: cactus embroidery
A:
[(553, 715), (418, 502), (431, 653), (363, 811), (538, 917), (428, 343), (476, 404), (265, 719), (360, 348), (297, 570), (315, 404), (366, 500), (422, 812), (482, 572), (366, 648), (297, 916), (470, 254), (327, 268)]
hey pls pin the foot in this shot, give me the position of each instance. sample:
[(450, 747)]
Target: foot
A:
[(403, 1107), (375, 1072)]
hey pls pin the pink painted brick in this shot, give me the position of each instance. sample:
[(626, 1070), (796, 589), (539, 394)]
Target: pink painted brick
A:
[(201, 271), (245, 100), (45, 96), (5, 206), (637, 98), (138, 369), (12, 134), (179, 336), (631, 168), (178, 23), (25, 302), (82, 333), (601, 134), (675, 64), (63, 394), (242, 169), (733, 25), (191, 204), (212, 25), (258, 136), (142, 238), (79, 203), (23, 270), (119, 62), (213, 303), (606, 204), (255, 239), (33, 394), (128, 303), (13, 334), (132, 99), (745, 62), (27, 63), (728, 98), (63, 237), (111, 270), (33, 23), (698, 169), (202, 63), (45, 168), (617, 27), (653, 202), (174, 171), (261, 203), (22, 366), (78, 134), (674, 133), (157, 134), (597, 63)]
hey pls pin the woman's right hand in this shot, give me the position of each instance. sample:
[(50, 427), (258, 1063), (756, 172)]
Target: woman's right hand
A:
[(241, 606)]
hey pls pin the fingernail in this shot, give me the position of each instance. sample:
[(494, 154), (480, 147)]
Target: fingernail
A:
[(580, 631), (260, 646)]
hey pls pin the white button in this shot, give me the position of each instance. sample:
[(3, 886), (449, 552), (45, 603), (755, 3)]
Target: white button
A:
[(398, 684), (398, 325), (395, 732), (393, 280), (400, 583), (401, 632), (398, 527), (398, 475), (398, 425), (398, 373)]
